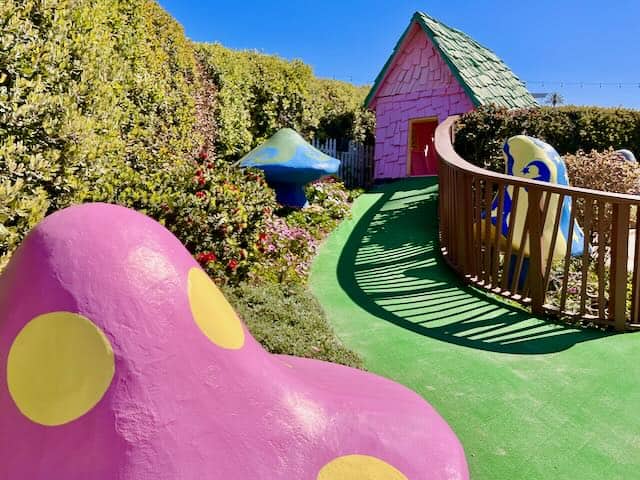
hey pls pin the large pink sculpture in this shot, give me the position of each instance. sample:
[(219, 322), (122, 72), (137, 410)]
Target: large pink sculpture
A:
[(121, 360)]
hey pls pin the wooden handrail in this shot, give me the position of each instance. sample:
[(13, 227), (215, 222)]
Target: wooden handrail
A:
[(532, 268), (445, 150)]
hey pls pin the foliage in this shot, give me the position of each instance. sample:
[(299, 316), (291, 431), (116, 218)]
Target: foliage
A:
[(288, 319), (258, 94), (604, 171), (108, 101), (227, 216), (554, 99), (334, 109), (290, 241), (216, 210), (480, 134), (86, 87), (288, 252), (329, 203)]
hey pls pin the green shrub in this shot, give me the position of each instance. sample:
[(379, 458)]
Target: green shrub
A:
[(106, 100), (288, 319), (258, 94), (334, 109), (329, 203), (87, 87), (218, 211), (480, 134)]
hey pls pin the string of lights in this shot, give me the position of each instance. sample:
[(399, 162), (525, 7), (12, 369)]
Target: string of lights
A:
[(580, 84), (536, 83)]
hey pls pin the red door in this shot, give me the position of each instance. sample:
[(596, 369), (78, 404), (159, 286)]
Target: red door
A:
[(423, 155)]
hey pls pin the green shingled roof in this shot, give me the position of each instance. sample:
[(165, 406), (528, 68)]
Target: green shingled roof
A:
[(485, 78)]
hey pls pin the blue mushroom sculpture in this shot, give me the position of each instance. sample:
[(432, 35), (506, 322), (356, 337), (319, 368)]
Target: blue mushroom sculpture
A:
[(289, 163)]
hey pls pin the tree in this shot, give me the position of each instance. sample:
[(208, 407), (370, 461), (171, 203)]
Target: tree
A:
[(554, 99)]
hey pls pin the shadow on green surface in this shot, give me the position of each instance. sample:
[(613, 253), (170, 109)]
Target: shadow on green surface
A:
[(392, 268)]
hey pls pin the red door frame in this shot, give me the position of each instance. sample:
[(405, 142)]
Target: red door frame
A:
[(410, 139)]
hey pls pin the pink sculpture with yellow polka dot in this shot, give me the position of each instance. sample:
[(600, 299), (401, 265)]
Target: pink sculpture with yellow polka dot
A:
[(121, 360)]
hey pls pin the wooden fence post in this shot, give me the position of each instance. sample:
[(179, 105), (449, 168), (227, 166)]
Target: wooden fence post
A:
[(618, 278), (536, 276)]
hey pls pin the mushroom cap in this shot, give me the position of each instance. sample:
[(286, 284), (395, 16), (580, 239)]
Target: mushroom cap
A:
[(287, 157), (120, 359)]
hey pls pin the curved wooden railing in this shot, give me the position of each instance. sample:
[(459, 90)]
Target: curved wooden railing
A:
[(601, 287)]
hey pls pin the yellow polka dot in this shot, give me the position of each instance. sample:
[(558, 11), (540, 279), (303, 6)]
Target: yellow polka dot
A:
[(59, 367), (359, 467), (212, 313)]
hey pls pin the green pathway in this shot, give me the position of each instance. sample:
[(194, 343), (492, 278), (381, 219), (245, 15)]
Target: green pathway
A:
[(528, 399)]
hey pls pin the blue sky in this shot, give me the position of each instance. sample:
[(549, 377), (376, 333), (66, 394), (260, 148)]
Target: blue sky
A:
[(552, 41)]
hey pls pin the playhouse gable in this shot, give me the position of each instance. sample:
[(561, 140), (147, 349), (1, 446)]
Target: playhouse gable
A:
[(418, 69), (483, 76)]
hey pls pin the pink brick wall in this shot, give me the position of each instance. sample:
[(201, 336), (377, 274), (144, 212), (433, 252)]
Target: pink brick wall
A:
[(418, 84)]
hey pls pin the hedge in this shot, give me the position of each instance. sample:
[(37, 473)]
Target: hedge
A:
[(106, 100), (86, 87), (480, 134), (258, 94)]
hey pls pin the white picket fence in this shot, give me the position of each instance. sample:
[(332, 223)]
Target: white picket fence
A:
[(356, 163)]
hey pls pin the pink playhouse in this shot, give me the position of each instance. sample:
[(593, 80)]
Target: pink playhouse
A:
[(434, 71)]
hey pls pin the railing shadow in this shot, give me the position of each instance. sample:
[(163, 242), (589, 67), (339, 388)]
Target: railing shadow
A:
[(391, 267)]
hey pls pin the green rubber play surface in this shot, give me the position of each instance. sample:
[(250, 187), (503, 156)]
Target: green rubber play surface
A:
[(527, 398)]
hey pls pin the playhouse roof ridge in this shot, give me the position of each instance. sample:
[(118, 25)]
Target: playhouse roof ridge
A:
[(481, 73)]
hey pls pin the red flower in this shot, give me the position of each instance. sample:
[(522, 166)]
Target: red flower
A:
[(201, 194), (233, 264), (206, 257), (201, 181), (263, 237), (198, 173), (203, 155)]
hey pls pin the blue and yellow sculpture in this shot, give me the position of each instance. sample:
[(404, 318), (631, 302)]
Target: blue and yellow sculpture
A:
[(528, 157), (289, 163)]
